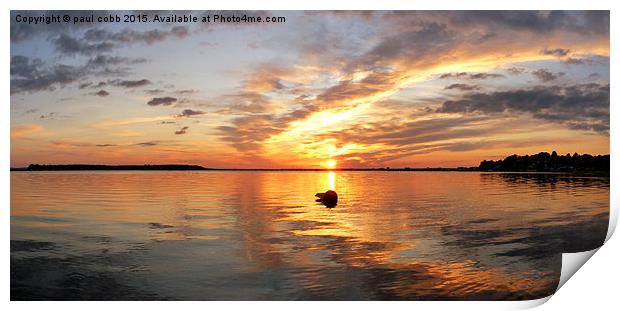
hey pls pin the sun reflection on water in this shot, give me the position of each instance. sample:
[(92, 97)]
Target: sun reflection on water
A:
[(331, 180)]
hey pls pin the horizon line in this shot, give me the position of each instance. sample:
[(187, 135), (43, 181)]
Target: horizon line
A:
[(200, 167)]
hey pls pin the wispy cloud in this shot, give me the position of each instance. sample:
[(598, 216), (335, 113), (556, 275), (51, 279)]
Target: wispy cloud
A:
[(182, 130), (545, 75), (462, 87), (19, 131), (132, 120), (190, 113), (130, 83)]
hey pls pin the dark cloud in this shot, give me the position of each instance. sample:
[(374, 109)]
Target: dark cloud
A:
[(71, 46), (130, 83), (462, 87), (189, 113), (182, 131), (101, 64), (583, 106), (559, 52), (50, 115), (583, 22), (106, 145), (101, 93), (96, 40), (92, 85), (147, 144), (164, 101), (545, 76), (28, 75), (23, 66)]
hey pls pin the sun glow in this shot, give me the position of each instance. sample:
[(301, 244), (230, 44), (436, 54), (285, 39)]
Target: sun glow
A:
[(331, 181), (330, 164)]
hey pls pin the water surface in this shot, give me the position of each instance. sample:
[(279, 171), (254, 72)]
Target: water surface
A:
[(228, 235)]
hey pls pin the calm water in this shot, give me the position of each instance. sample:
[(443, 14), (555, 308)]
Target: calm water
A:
[(260, 235)]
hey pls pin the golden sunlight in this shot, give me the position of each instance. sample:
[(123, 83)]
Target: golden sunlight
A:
[(330, 163)]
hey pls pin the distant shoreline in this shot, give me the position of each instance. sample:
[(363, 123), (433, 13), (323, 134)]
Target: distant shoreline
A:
[(182, 167), (543, 162)]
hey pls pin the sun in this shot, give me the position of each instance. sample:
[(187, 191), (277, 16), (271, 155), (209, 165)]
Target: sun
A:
[(330, 163)]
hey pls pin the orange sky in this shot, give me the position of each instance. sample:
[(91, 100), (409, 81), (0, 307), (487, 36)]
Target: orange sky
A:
[(374, 89)]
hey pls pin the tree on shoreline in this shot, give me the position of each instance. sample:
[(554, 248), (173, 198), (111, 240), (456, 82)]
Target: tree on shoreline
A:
[(545, 162)]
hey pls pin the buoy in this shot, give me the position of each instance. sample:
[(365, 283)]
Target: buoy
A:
[(329, 198)]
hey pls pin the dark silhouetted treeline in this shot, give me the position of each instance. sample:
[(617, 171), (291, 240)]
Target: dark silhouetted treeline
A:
[(545, 162), (98, 167)]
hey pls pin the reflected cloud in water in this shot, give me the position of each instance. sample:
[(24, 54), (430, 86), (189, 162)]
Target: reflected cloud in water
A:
[(258, 235)]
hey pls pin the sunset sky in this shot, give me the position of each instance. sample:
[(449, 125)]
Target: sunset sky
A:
[(361, 89)]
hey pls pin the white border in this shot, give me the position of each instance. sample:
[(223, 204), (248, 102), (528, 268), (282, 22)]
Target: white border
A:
[(595, 286)]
